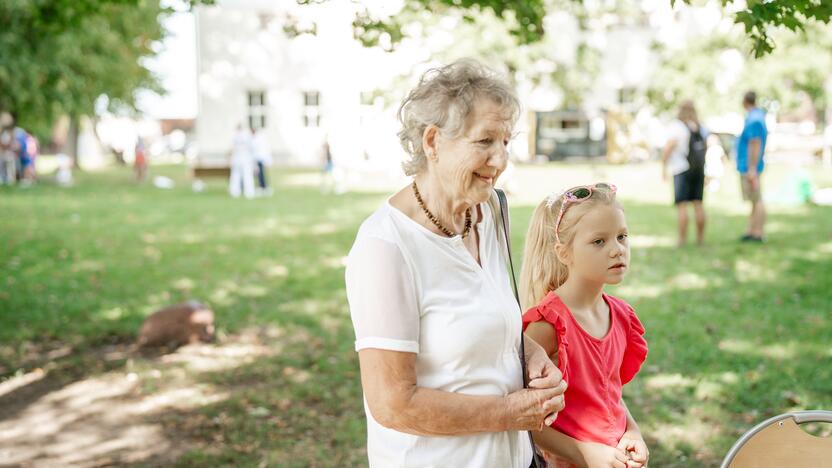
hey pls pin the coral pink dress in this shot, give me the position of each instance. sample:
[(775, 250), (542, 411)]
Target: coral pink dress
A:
[(595, 369)]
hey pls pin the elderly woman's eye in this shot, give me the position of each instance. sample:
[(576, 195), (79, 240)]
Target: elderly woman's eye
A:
[(485, 141)]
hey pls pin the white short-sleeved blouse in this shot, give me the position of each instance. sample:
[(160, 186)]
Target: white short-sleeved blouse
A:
[(412, 290)]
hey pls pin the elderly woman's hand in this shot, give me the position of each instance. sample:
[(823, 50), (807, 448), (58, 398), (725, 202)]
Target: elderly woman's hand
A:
[(532, 409)]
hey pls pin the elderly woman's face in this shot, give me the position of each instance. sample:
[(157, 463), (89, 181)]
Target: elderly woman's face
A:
[(470, 163)]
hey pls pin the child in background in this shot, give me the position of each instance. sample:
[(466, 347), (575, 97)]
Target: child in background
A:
[(140, 161), (715, 159)]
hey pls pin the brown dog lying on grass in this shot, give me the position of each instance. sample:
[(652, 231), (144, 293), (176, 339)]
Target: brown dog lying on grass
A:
[(177, 325)]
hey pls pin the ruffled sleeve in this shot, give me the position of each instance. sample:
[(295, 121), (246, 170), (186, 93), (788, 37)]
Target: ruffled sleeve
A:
[(544, 313), (636, 352)]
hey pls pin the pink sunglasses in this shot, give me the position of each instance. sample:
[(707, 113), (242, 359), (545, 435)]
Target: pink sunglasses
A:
[(577, 195)]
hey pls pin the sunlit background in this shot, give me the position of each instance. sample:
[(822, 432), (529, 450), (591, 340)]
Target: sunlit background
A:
[(737, 332)]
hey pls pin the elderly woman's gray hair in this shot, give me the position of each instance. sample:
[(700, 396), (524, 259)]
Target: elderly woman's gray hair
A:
[(445, 97)]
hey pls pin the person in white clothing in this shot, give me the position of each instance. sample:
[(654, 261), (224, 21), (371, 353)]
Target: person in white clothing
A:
[(263, 158), (715, 160), (242, 164), (437, 326)]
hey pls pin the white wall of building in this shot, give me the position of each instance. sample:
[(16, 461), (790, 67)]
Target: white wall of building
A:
[(243, 48)]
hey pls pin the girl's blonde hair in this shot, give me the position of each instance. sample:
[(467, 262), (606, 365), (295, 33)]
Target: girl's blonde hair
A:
[(542, 270)]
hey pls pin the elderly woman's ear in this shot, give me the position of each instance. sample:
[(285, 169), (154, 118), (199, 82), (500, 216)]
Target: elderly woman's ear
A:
[(429, 137)]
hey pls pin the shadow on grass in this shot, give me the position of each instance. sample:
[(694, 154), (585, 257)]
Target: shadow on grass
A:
[(56, 373)]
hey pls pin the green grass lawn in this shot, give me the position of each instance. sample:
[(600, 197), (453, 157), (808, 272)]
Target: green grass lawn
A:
[(737, 332)]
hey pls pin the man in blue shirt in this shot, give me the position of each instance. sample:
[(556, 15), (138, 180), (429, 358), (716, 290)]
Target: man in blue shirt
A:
[(751, 146)]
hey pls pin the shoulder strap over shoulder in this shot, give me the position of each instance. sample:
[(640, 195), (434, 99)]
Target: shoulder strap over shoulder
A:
[(503, 202), (537, 458)]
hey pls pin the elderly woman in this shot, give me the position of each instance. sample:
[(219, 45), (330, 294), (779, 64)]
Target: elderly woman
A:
[(437, 326)]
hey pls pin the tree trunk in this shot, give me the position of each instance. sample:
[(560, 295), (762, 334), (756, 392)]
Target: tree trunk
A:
[(72, 142)]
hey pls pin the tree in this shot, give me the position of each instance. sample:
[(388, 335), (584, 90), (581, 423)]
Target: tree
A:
[(788, 74), (58, 57), (718, 72), (481, 33), (758, 17)]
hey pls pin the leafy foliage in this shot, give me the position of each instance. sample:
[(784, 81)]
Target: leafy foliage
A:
[(58, 56), (714, 66), (758, 17)]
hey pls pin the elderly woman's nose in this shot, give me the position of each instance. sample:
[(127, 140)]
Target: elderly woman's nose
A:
[(499, 158)]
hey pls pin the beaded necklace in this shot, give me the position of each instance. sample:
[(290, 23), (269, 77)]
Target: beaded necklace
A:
[(436, 222)]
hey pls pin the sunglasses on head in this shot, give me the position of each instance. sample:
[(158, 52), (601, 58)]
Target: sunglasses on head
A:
[(577, 195)]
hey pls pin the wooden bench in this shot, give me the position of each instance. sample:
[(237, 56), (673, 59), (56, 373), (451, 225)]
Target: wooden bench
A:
[(203, 172)]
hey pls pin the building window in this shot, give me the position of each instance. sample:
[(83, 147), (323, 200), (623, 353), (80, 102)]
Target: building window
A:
[(257, 109), (627, 96), (311, 109)]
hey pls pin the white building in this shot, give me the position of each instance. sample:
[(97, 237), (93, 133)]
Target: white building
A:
[(299, 90), (305, 89)]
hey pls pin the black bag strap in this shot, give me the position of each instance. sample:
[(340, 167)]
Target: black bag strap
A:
[(537, 459), (501, 197)]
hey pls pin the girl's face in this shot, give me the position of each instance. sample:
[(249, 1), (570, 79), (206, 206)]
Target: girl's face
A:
[(469, 164), (600, 250)]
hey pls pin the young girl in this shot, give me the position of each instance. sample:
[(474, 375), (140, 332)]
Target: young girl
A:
[(577, 242)]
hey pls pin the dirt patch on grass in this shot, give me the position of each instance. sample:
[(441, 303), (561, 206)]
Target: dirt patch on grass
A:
[(108, 406)]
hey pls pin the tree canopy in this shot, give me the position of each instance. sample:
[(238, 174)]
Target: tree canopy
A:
[(758, 17), (794, 73), (57, 57)]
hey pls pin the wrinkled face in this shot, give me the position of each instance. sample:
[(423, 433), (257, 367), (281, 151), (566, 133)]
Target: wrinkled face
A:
[(600, 250), (469, 164)]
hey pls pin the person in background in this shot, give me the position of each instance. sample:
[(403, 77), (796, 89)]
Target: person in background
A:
[(140, 161), (26, 165), (684, 158), (242, 165), (751, 147), (63, 175), (32, 148), (263, 158), (327, 172), (715, 159), (8, 154)]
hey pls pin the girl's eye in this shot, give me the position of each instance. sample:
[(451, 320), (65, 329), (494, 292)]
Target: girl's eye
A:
[(623, 237), (598, 242)]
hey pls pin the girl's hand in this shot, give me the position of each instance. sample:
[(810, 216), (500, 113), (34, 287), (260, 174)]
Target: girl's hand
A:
[(635, 448), (542, 372), (602, 456)]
